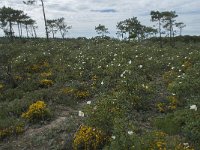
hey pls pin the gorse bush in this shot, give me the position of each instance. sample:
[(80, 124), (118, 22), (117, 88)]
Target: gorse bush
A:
[(170, 104), (36, 112), (13, 130), (88, 138), (1, 86), (46, 83)]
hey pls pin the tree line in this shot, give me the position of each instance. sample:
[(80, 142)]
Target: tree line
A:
[(130, 29), (10, 18)]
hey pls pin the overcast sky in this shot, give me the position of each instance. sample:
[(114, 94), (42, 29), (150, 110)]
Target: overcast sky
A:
[(84, 15)]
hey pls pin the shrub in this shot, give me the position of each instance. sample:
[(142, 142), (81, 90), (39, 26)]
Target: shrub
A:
[(1, 86), (103, 113), (170, 104), (46, 83), (82, 94), (88, 138), (46, 74), (13, 130), (192, 131), (169, 76), (37, 111)]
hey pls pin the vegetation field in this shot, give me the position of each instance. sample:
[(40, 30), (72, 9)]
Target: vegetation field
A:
[(90, 94)]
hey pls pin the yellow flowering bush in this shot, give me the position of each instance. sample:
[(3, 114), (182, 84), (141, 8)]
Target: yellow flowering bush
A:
[(13, 130), (1, 86), (159, 142), (186, 65), (171, 104), (67, 90), (36, 111), (38, 67), (46, 74), (169, 76), (18, 77), (88, 138), (94, 81), (46, 83), (34, 68), (82, 94), (184, 146), (160, 107)]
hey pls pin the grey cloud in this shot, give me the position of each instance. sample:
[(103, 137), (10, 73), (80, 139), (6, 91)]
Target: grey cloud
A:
[(58, 7), (105, 11)]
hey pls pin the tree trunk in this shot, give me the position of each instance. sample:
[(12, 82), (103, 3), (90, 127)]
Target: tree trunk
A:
[(11, 35), (161, 45), (173, 41), (45, 21), (21, 29), (180, 31), (18, 29), (34, 32), (53, 34), (27, 31), (170, 33), (31, 27)]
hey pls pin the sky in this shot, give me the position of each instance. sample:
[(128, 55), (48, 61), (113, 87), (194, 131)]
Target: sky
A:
[(84, 15)]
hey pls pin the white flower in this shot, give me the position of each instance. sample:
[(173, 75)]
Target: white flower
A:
[(80, 114), (130, 132), (102, 83), (89, 102), (129, 62), (172, 68), (119, 65), (185, 144), (140, 66), (95, 107), (113, 137), (193, 107)]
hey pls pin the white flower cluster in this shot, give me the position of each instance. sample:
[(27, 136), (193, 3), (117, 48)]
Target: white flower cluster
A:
[(193, 107)]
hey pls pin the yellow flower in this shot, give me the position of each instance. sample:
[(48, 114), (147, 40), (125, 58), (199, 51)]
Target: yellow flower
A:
[(160, 107), (1, 86), (67, 90), (37, 110), (46, 82), (46, 74), (82, 94), (17, 77), (88, 138)]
